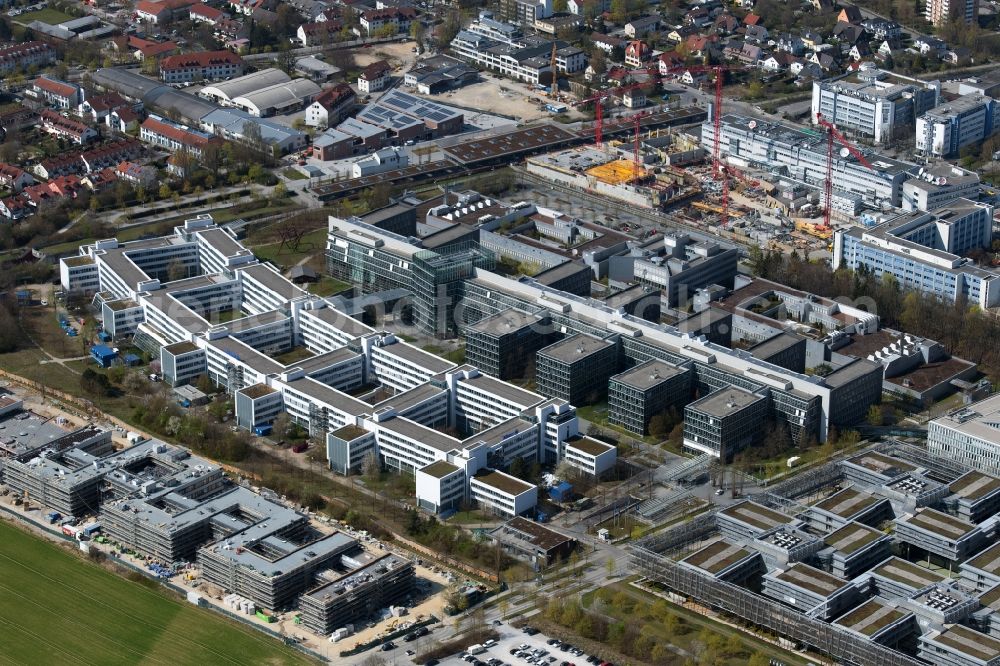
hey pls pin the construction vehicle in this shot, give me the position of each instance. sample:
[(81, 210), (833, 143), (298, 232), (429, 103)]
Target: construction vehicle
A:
[(819, 229)]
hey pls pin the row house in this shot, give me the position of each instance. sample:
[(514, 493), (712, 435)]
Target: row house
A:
[(52, 191), (102, 180), (59, 125), (174, 137), (207, 65), (15, 207), (97, 109), (125, 119), (14, 178), (398, 18), (136, 174), (20, 57), (57, 94), (882, 29), (88, 161)]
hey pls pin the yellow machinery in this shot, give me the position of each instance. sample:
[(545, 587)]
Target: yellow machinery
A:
[(701, 205), (812, 229)]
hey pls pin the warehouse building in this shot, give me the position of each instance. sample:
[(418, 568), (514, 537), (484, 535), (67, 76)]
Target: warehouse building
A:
[(280, 98), (225, 92), (372, 584)]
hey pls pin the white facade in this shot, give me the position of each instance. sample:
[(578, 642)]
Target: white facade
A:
[(970, 435), (385, 159), (946, 129)]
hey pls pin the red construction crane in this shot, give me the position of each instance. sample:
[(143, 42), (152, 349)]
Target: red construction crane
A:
[(603, 94), (831, 134)]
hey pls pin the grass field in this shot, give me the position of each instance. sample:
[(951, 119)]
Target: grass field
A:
[(55, 608), (47, 15)]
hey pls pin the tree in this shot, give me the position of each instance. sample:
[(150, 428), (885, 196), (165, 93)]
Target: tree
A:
[(176, 270), (417, 32), (611, 566), (95, 384), (372, 468), (280, 191), (559, 6), (204, 383)]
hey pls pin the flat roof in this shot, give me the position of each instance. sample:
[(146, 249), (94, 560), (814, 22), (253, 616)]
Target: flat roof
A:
[(849, 372), (223, 242), (341, 321), (273, 280), (246, 354), (589, 445), (349, 432), (575, 347), (530, 531), (988, 560), (506, 321), (975, 485), (329, 395), (257, 391), (503, 482), (244, 324), (812, 579), (419, 433), (848, 502), (775, 344), (717, 556), (725, 401), (522, 398), (78, 260), (967, 641), (649, 374), (907, 573), (425, 360), (880, 463), (418, 394), (871, 617), (940, 524), (852, 537), (439, 469), (757, 515)]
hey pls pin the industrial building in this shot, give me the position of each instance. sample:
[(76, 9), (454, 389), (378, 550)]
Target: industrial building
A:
[(527, 540)]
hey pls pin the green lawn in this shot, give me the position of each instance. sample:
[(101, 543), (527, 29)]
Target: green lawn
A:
[(328, 286), (47, 15), (291, 173), (57, 608), (282, 255)]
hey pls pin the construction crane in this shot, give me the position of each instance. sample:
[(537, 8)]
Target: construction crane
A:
[(553, 65), (603, 94), (848, 149)]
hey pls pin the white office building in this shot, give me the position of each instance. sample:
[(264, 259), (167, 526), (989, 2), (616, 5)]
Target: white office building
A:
[(946, 129), (970, 435)]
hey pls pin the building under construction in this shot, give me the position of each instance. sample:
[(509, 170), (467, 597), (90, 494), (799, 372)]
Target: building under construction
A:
[(369, 585), (868, 618)]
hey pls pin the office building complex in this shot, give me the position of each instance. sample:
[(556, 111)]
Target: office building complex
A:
[(576, 369), (800, 155), (923, 251), (685, 267), (970, 435), (949, 127), (724, 422), (640, 393), (877, 105), (937, 185), (504, 344)]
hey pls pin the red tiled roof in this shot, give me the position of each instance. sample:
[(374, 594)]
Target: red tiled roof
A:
[(375, 70), (107, 102), (55, 87), (335, 96), (751, 19), (175, 133), (63, 124), (149, 48), (202, 59), (10, 172), (17, 51), (208, 12), (390, 13), (151, 8)]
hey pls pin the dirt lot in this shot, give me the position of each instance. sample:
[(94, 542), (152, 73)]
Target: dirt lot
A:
[(501, 96), (396, 54)]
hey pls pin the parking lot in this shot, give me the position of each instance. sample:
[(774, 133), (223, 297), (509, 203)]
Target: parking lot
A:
[(534, 651)]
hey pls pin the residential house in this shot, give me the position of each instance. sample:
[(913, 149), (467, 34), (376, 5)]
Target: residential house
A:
[(825, 61), (123, 120), (143, 48), (53, 191), (850, 14), (726, 24), (606, 43), (756, 34), (110, 154), (99, 181), (19, 57), (57, 94), (698, 18), (331, 106), (60, 165), (959, 55), (374, 77), (930, 46), (136, 174), (96, 109), (636, 53), (14, 178), (680, 34), (669, 61), (779, 62), (232, 29), (319, 33), (396, 19), (859, 51), (698, 45), (882, 29), (822, 6), (67, 128), (747, 54), (752, 19), (203, 66), (15, 207), (849, 33), (642, 26), (790, 44), (888, 48), (202, 13)]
